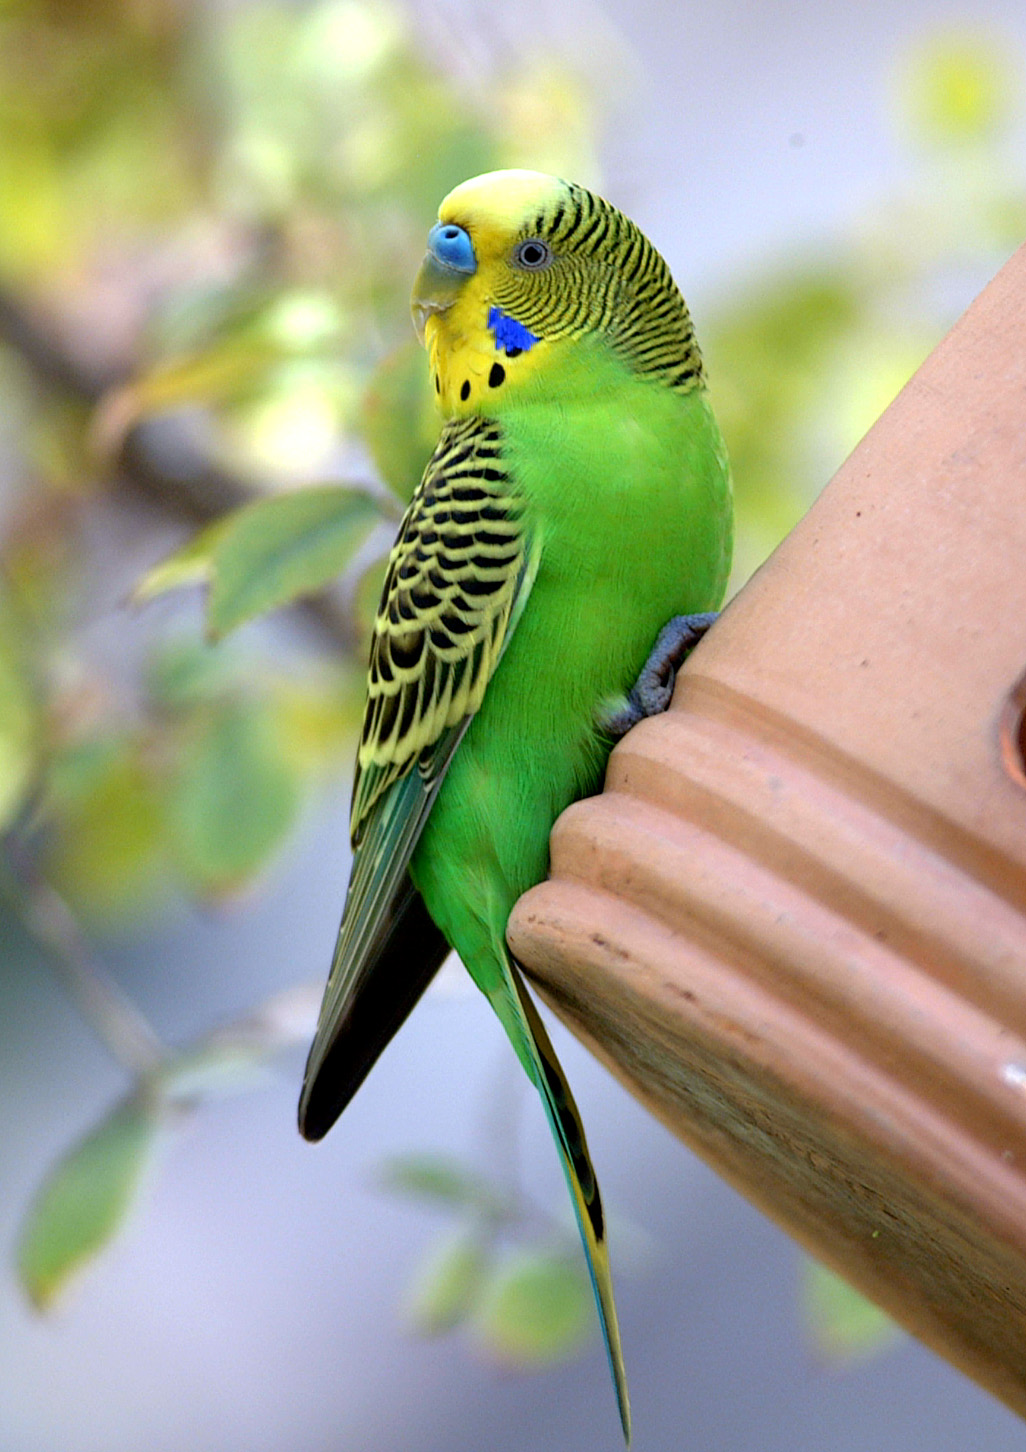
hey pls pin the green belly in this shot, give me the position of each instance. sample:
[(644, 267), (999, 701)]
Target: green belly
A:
[(633, 509)]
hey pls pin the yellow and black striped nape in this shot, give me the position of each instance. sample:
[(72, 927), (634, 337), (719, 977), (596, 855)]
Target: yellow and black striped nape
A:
[(600, 273)]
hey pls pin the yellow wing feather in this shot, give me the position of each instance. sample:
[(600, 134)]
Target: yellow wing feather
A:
[(454, 575)]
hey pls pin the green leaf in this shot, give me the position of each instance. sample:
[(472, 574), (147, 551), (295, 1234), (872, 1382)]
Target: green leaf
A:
[(19, 725), (222, 370), (366, 600), (183, 673), (538, 1310), (399, 420), (319, 718), (216, 1069), (279, 549), (843, 1325), (193, 564), (443, 1181), (448, 1287), (105, 847), (84, 1201), (235, 797)]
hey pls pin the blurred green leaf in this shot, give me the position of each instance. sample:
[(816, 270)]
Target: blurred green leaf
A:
[(106, 827), (223, 371), (537, 1310), (399, 420), (443, 1181), (959, 86), (448, 1286), (268, 553), (320, 718), (186, 672), (765, 357), (773, 355), (367, 599), (279, 549), (234, 798), (843, 1325), (78, 767), (216, 1069), (19, 721), (193, 564), (84, 1201)]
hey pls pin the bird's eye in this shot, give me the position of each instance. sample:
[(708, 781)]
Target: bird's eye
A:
[(534, 254)]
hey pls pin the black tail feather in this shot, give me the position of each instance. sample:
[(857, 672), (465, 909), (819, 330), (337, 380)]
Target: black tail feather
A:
[(407, 954)]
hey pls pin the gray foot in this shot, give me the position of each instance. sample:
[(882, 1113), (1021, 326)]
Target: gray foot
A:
[(651, 692)]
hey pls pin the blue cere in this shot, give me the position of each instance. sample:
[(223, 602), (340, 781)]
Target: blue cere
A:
[(451, 246), (510, 335)]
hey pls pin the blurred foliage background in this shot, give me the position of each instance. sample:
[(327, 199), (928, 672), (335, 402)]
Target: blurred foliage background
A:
[(209, 219)]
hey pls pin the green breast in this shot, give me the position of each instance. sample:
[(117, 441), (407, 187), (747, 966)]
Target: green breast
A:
[(627, 486)]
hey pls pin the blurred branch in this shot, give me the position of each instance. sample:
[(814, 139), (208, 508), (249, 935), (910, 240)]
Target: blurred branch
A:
[(54, 365), (156, 459), (188, 485), (282, 1021), (116, 1021)]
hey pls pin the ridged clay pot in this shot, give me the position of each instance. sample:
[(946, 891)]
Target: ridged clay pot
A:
[(794, 924)]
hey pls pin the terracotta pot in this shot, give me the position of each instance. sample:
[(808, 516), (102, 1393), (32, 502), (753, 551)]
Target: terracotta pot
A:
[(795, 922)]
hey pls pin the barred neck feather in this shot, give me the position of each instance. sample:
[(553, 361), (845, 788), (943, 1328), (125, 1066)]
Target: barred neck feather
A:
[(630, 295)]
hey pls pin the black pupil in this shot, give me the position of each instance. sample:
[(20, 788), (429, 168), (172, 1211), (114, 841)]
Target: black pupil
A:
[(533, 254)]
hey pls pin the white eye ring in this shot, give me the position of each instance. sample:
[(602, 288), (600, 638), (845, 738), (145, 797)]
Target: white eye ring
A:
[(533, 254)]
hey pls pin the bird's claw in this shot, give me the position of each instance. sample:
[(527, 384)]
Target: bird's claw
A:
[(652, 691)]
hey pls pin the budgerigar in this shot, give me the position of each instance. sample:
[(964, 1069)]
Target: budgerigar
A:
[(578, 498)]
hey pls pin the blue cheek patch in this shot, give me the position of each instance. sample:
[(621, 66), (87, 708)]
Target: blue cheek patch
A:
[(511, 337)]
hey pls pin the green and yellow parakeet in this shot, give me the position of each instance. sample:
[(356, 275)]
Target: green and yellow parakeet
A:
[(578, 498)]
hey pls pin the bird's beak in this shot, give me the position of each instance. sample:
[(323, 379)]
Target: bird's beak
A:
[(448, 263), (435, 290)]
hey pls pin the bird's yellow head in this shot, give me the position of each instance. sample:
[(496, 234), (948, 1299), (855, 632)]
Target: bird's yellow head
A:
[(519, 267)]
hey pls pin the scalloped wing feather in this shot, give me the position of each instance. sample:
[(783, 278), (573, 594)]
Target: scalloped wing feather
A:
[(454, 579), (458, 577)]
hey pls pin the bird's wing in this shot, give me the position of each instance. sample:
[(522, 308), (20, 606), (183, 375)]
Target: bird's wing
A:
[(457, 580)]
